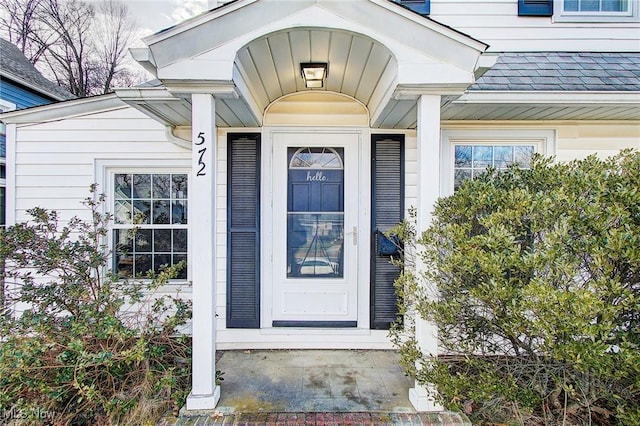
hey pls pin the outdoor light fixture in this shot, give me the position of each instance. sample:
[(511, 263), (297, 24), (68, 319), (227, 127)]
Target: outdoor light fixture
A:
[(313, 74)]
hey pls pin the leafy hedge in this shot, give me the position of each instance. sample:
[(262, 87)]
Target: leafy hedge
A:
[(533, 278), (89, 348)]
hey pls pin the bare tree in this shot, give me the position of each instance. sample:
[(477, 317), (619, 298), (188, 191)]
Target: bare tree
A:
[(114, 33), (19, 23), (69, 59), (81, 45)]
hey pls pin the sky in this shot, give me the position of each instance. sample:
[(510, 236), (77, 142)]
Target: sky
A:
[(154, 15)]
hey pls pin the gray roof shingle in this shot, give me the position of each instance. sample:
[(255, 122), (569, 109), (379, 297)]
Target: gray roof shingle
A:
[(14, 64), (563, 71)]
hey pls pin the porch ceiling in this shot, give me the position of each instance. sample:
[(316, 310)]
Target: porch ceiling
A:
[(269, 67)]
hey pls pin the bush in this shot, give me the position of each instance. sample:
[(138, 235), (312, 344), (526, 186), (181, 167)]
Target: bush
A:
[(533, 279), (89, 348)]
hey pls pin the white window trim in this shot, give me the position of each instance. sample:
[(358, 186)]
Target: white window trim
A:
[(544, 142), (6, 106), (105, 169), (560, 15)]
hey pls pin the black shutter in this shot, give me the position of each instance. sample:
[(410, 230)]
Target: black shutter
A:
[(535, 7), (243, 231), (387, 209), (422, 7)]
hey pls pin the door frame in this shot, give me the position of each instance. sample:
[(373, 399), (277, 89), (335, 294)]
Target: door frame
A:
[(363, 217)]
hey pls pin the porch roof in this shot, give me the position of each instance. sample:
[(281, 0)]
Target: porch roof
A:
[(520, 86), (248, 54)]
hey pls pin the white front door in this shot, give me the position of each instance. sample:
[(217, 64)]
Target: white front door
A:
[(315, 214)]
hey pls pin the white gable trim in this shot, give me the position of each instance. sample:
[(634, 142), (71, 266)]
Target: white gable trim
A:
[(62, 110)]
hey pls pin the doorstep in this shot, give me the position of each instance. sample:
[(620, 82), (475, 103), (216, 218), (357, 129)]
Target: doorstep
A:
[(313, 387)]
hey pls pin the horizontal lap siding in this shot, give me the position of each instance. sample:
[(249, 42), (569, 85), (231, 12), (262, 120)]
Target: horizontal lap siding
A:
[(602, 139), (497, 23), (21, 97), (55, 162)]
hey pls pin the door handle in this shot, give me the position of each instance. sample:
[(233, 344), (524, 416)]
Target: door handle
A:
[(354, 235)]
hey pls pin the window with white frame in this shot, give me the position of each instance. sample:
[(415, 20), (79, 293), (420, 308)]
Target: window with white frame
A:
[(468, 153), (150, 222), (595, 10)]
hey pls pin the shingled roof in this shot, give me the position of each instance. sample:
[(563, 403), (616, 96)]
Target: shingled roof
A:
[(15, 66), (563, 71)]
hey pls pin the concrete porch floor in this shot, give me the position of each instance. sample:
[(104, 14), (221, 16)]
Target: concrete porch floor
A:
[(313, 387)]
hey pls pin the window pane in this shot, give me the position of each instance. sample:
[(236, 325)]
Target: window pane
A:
[(142, 264), (177, 258), (503, 156), (123, 239), (162, 240), (179, 186), (143, 240), (179, 212), (482, 156), (180, 240), (615, 5), (161, 186), (523, 156), (315, 245), (124, 265), (161, 261), (316, 158), (589, 5), (141, 186), (122, 212), (141, 211), (460, 176), (122, 187), (161, 211), (463, 155), (571, 5)]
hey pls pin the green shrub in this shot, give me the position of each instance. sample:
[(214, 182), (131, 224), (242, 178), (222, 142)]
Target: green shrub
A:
[(89, 348), (533, 279)]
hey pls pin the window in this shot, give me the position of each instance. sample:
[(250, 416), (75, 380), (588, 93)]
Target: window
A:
[(419, 6), (472, 160), (595, 10), (468, 153), (596, 6), (150, 222)]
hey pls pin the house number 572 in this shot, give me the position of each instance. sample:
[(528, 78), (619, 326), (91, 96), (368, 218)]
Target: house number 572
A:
[(200, 141)]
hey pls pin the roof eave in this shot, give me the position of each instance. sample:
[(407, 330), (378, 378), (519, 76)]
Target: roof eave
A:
[(548, 97), (65, 109), (36, 88)]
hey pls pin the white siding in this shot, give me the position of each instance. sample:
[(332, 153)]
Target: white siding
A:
[(55, 161), (411, 172), (221, 231), (497, 23), (580, 140)]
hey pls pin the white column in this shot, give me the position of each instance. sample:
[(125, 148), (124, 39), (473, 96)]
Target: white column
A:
[(204, 392), (428, 192)]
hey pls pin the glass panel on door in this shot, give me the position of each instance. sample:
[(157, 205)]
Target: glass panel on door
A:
[(315, 213)]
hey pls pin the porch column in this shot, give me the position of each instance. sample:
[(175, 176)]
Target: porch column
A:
[(204, 392), (428, 134)]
